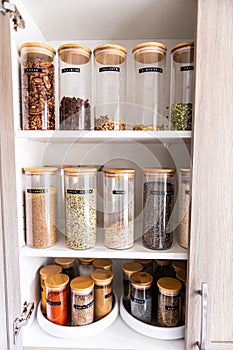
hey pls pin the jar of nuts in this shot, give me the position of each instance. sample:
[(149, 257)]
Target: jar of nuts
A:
[(37, 79)]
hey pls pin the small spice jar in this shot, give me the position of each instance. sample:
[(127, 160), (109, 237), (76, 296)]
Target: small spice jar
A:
[(149, 75), (141, 296), (118, 208), (128, 269), (102, 292), (45, 272), (147, 265), (85, 266), (110, 87), (179, 265), (67, 265), (162, 269), (80, 194), (158, 203), (37, 79), (168, 302), (82, 301), (182, 277), (40, 201), (74, 87), (102, 263), (182, 86), (57, 298), (184, 207)]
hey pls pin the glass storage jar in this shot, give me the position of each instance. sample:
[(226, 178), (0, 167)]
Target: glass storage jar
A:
[(179, 265), (67, 265), (37, 86), (184, 207), (141, 296), (147, 265), (85, 266), (168, 302), (158, 202), (40, 202), (102, 292), (82, 301), (74, 87), (182, 86), (110, 87), (128, 269), (181, 276), (119, 208), (102, 263), (149, 75), (45, 272), (57, 298), (80, 193)]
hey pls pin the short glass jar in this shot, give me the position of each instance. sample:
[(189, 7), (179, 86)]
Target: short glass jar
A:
[(82, 301), (128, 269), (158, 203), (184, 207), (179, 265), (67, 265), (37, 86), (40, 202), (147, 265), (102, 263), (85, 266), (118, 208), (74, 87)]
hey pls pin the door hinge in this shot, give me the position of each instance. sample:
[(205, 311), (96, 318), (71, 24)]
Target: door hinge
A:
[(8, 7), (22, 319)]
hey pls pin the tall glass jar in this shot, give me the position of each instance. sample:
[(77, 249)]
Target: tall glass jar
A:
[(149, 75), (119, 208), (182, 86), (85, 266), (82, 301), (110, 87), (102, 263), (40, 202), (80, 193), (141, 296), (57, 298), (67, 265), (128, 269), (74, 87), (162, 269), (158, 202), (103, 292), (184, 207), (37, 89)]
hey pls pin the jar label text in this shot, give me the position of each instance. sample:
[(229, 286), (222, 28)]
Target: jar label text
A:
[(33, 70), (138, 301), (150, 69), (186, 68), (161, 193), (109, 69), (53, 303), (171, 308), (37, 190), (80, 191), (70, 70), (118, 192), (83, 307)]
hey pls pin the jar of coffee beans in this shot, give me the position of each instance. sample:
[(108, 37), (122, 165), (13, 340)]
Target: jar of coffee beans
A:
[(128, 269), (184, 207)]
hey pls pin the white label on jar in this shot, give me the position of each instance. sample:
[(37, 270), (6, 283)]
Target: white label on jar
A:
[(118, 192), (186, 68), (70, 70), (80, 191), (37, 190), (150, 69), (109, 69)]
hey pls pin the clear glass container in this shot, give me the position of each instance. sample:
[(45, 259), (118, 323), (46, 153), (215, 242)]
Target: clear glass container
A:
[(168, 302), (67, 265), (80, 193), (37, 86), (147, 265), (184, 207), (182, 86), (74, 87), (179, 265), (162, 269), (57, 298), (40, 204), (182, 277), (45, 272), (119, 208), (103, 292), (85, 266), (82, 301), (128, 269), (110, 87), (102, 263), (158, 203), (141, 296), (149, 75)]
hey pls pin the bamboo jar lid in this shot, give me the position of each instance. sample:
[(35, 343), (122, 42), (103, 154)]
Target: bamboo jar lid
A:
[(104, 264), (86, 260), (110, 54), (32, 48), (169, 285), (74, 54), (57, 281), (183, 53), (149, 52), (39, 171), (163, 262), (132, 267), (179, 265), (141, 280), (65, 262), (48, 270), (82, 285), (102, 277)]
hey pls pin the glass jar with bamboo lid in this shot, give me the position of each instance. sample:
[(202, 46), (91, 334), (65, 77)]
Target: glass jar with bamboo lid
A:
[(85, 266), (128, 269), (67, 265), (102, 263), (184, 207)]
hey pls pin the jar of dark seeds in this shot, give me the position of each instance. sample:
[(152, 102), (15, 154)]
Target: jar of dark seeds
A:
[(182, 86), (80, 194), (74, 87), (141, 296), (128, 269), (37, 86), (184, 207), (158, 202), (67, 265), (168, 302), (82, 301)]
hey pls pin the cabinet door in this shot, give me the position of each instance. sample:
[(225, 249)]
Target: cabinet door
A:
[(9, 265), (211, 246)]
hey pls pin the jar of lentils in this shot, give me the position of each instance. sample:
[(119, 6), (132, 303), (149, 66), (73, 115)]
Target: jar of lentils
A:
[(128, 269), (184, 207)]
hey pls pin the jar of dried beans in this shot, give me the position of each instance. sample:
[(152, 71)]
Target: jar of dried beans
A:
[(37, 79), (85, 266), (168, 302), (103, 292), (149, 76), (74, 87), (184, 207), (158, 202), (80, 194), (119, 208), (57, 298), (82, 301), (102, 263), (40, 202), (182, 86), (110, 87), (128, 269), (67, 265)]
